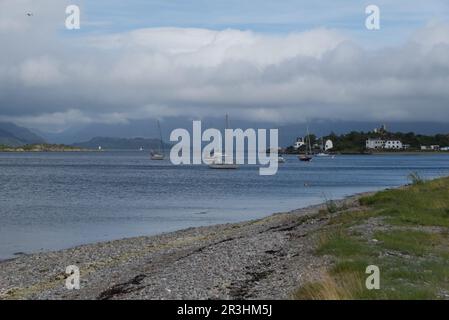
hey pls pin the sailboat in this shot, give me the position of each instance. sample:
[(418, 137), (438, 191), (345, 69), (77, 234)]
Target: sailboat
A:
[(325, 147), (322, 153), (158, 155), (281, 159), (308, 155), (221, 161)]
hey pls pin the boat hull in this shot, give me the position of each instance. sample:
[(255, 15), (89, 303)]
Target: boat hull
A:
[(305, 158), (281, 160), (225, 166), (157, 157)]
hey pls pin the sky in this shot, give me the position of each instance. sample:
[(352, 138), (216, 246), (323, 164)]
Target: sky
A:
[(280, 61)]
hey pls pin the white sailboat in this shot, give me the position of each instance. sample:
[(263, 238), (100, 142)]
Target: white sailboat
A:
[(329, 145), (159, 154), (324, 148), (221, 161), (281, 159), (322, 153)]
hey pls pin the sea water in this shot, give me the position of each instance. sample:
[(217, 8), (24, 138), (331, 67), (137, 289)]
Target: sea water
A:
[(51, 201)]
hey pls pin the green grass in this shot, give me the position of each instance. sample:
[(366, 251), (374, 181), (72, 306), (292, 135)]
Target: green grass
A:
[(350, 218), (415, 178), (416, 243), (411, 249), (425, 204), (331, 206), (340, 244)]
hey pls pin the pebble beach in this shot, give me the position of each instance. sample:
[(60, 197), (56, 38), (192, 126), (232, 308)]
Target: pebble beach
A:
[(260, 259)]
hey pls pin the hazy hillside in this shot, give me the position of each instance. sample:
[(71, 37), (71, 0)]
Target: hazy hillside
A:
[(120, 143), (13, 135), (287, 132)]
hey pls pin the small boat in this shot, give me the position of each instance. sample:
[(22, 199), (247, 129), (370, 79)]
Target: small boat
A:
[(229, 166), (218, 160), (159, 154), (281, 159), (322, 154), (307, 157), (211, 159), (324, 148)]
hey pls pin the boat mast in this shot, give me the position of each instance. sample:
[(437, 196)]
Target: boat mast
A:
[(224, 147), (161, 147), (309, 146)]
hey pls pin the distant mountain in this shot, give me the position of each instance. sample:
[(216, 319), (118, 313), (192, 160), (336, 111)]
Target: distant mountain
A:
[(129, 130), (121, 143), (287, 132), (14, 136)]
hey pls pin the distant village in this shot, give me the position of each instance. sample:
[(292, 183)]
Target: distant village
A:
[(387, 144), (376, 140)]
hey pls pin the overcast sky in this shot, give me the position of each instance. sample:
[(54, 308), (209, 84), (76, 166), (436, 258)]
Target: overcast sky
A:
[(283, 61)]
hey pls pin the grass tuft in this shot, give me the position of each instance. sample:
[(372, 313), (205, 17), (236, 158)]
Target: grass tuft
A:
[(331, 288), (415, 178)]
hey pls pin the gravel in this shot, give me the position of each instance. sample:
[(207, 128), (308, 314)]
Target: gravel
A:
[(261, 259)]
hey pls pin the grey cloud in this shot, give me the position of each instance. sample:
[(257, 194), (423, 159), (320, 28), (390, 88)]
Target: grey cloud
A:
[(55, 80)]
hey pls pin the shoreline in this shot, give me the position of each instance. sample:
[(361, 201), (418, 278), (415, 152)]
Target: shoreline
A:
[(317, 206), (241, 260), (340, 153)]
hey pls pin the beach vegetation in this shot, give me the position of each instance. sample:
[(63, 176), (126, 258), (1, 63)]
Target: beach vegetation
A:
[(405, 232), (415, 178)]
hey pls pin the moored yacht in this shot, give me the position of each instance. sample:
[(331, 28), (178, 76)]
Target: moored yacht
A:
[(159, 154), (308, 155), (219, 160), (281, 159)]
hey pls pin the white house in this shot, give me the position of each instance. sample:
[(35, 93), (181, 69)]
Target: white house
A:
[(432, 148), (384, 144), (374, 143), (393, 144), (299, 143)]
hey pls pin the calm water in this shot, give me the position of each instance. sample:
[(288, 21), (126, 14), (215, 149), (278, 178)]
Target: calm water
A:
[(58, 200)]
